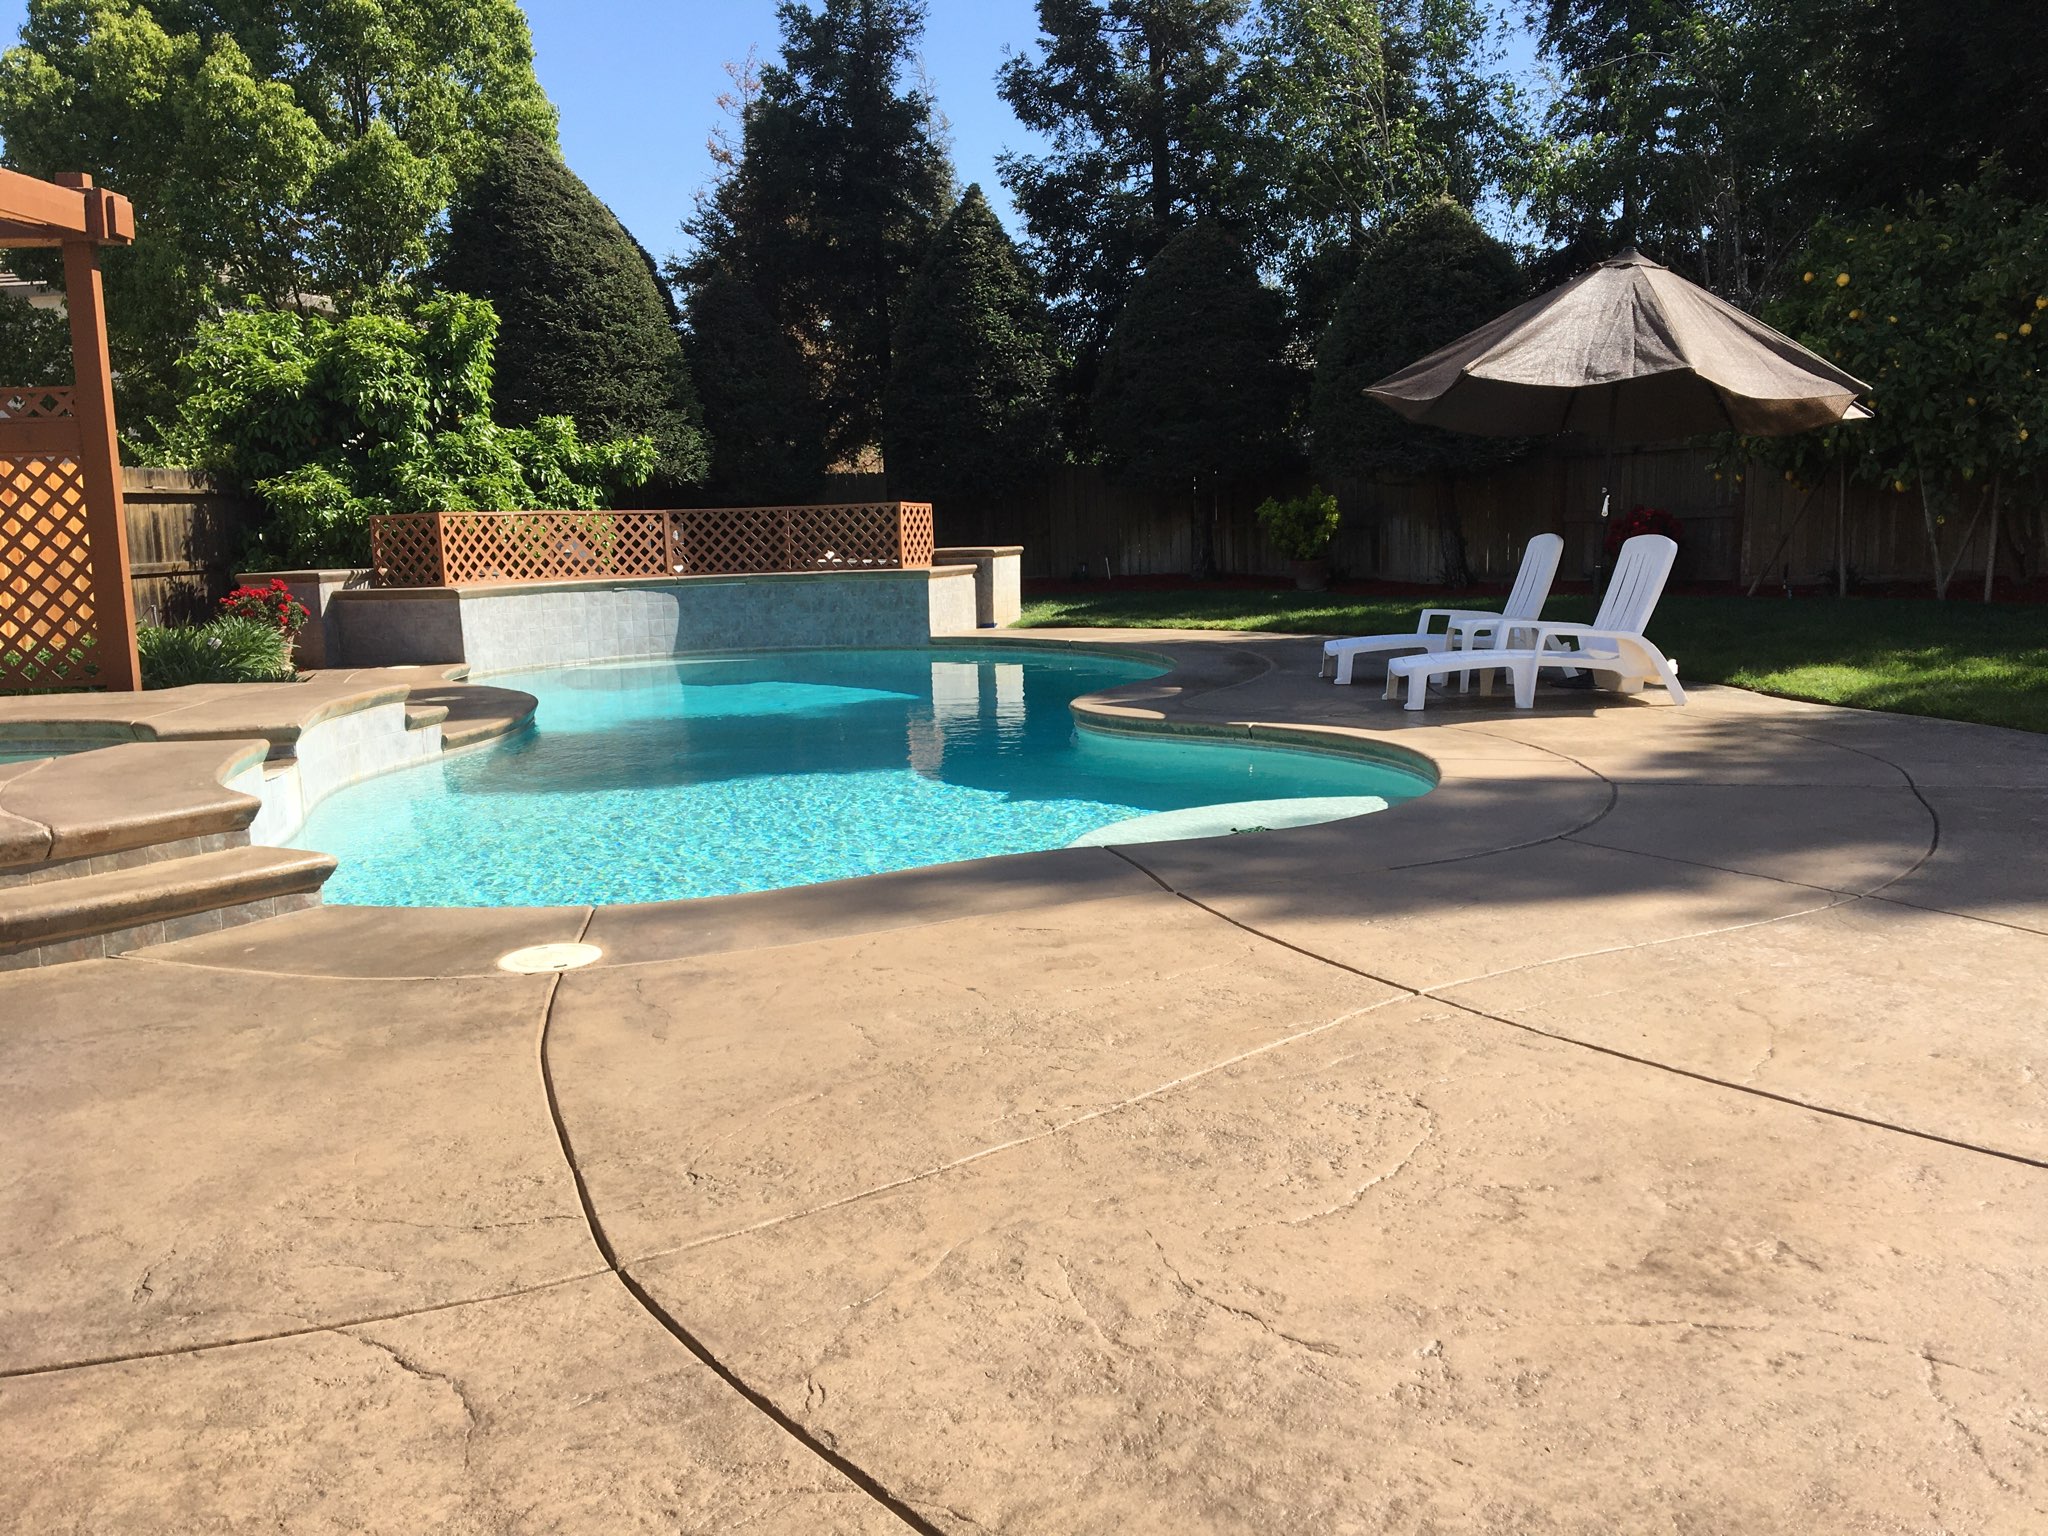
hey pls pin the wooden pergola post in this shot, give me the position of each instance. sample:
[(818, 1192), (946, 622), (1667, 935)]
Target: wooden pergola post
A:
[(64, 571)]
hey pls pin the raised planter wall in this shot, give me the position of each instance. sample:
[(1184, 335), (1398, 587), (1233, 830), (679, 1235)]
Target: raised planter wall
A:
[(505, 627)]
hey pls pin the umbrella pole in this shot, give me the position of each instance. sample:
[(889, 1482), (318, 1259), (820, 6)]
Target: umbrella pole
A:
[(1606, 490)]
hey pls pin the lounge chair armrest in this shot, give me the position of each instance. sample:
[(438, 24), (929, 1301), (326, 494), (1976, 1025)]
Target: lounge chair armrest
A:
[(1451, 616)]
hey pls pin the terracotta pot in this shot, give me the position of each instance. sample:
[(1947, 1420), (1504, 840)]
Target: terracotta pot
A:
[(1311, 575)]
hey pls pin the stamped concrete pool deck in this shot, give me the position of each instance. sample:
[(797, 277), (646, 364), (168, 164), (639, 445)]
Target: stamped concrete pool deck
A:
[(1644, 1132)]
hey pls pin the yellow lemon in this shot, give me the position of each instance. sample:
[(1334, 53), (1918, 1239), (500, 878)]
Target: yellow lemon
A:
[(1841, 279), (1969, 399), (2041, 303), (1898, 485), (1891, 319), (1807, 279), (1855, 314), (2026, 329), (1788, 475), (1887, 229), (2003, 337)]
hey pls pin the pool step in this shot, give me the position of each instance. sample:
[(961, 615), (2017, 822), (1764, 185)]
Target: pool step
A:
[(86, 916)]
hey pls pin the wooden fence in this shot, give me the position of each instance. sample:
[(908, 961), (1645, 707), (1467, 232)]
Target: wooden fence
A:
[(444, 549), (1739, 527), (185, 537)]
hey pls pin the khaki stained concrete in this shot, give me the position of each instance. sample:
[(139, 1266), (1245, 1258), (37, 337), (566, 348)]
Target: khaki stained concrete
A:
[(1644, 1131)]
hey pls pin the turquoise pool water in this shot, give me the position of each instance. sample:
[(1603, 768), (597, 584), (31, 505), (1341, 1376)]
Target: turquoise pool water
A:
[(649, 781)]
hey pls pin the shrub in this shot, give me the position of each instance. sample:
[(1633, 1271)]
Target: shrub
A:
[(273, 604), (230, 649), (1300, 527), (331, 421), (1641, 520), (586, 328)]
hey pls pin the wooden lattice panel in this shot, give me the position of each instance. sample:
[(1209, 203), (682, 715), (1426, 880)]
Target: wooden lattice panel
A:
[(916, 538), (34, 403), (47, 631), (405, 551), (485, 548)]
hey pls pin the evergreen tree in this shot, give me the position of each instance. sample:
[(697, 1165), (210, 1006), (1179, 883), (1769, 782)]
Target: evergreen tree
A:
[(280, 150), (972, 405), (585, 330), (841, 180), (760, 412), (1423, 281), (1137, 99), (1192, 388)]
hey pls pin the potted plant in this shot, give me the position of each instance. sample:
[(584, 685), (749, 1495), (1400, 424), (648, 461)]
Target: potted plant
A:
[(1301, 528)]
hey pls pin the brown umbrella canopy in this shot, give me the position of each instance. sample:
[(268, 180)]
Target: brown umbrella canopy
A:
[(1626, 350)]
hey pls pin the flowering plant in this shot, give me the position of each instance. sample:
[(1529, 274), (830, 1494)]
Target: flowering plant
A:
[(1642, 520), (273, 604)]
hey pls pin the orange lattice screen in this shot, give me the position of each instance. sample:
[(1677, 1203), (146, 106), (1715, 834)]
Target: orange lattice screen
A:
[(483, 548), (47, 628)]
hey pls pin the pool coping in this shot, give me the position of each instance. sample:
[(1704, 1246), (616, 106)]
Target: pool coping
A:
[(262, 728)]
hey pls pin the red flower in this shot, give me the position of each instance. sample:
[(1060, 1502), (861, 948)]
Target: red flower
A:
[(1638, 520)]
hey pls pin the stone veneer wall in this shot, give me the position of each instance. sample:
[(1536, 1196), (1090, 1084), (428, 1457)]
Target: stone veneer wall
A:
[(496, 629)]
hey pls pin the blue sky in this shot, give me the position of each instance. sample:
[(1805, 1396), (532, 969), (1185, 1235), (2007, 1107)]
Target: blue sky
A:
[(637, 83), (634, 119)]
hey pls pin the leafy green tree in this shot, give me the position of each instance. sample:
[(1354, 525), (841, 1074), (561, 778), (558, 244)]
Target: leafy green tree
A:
[(327, 422), (275, 151), (1139, 99), (1362, 109), (841, 178), (1422, 281), (1943, 308), (973, 403), (1192, 389), (35, 344), (761, 413), (585, 330)]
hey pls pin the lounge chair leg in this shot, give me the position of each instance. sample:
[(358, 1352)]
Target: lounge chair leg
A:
[(1345, 661), (1525, 687), (1418, 690)]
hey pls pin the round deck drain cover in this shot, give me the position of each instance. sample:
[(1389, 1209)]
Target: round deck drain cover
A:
[(539, 959)]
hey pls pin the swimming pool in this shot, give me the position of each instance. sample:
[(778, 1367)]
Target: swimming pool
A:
[(648, 781)]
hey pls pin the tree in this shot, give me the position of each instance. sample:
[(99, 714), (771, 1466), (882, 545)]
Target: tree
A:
[(766, 430), (1943, 307), (35, 344), (1138, 98), (1192, 389), (1363, 110), (275, 151), (972, 406), (329, 422), (841, 178), (585, 330), (1422, 281)]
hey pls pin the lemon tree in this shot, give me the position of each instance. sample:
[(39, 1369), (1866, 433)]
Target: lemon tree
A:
[(1943, 308)]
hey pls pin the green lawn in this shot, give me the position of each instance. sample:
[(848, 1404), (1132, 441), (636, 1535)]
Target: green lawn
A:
[(1956, 660)]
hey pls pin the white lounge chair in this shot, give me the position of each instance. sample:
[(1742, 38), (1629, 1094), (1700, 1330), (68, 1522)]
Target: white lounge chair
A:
[(1613, 646), (1463, 627)]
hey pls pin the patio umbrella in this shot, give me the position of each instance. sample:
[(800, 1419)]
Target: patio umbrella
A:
[(1629, 350)]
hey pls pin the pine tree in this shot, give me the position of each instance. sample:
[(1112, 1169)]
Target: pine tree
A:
[(1137, 98), (842, 179), (972, 404), (585, 331), (760, 413), (1192, 388), (1422, 281)]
